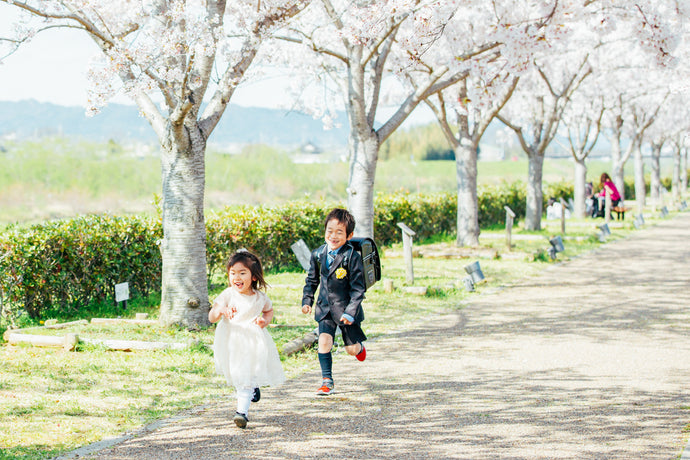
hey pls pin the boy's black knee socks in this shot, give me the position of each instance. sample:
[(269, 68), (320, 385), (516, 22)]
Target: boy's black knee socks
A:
[(326, 362)]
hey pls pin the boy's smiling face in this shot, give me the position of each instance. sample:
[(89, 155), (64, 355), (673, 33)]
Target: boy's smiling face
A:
[(336, 234)]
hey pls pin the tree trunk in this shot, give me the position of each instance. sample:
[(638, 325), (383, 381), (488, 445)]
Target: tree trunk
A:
[(675, 187), (364, 150), (683, 172), (468, 212), (640, 192), (619, 178), (655, 180), (535, 196), (184, 298), (579, 188), (617, 165)]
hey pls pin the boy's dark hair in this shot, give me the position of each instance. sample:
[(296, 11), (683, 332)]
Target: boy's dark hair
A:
[(252, 262), (344, 217)]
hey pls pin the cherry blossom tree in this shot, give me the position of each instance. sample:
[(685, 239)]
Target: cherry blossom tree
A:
[(465, 110), (180, 61), (657, 37), (425, 47), (534, 117), (643, 113), (680, 172), (375, 54), (464, 140), (581, 127)]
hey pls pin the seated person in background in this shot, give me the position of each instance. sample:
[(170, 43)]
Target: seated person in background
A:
[(607, 186)]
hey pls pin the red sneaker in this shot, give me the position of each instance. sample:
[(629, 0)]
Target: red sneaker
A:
[(326, 388), (362, 355)]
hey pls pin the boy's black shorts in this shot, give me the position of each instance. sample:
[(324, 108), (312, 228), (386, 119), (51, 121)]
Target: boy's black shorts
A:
[(352, 334)]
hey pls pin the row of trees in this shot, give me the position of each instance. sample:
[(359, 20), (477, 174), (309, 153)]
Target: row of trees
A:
[(581, 66)]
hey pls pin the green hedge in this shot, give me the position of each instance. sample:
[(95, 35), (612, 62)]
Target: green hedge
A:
[(267, 231), (66, 264), (270, 231), (70, 263)]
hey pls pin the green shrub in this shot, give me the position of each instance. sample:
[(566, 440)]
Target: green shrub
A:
[(66, 264), (493, 200), (557, 190), (427, 215), (267, 231)]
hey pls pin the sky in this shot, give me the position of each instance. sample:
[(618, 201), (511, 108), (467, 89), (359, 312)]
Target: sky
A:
[(52, 68)]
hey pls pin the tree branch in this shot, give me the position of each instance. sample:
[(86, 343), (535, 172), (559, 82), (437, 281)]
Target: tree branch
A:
[(432, 86), (234, 73)]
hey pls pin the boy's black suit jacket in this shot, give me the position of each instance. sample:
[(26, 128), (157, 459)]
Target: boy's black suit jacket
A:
[(337, 295)]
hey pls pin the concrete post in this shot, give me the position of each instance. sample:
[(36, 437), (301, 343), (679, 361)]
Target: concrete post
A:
[(407, 234), (510, 215), (607, 208)]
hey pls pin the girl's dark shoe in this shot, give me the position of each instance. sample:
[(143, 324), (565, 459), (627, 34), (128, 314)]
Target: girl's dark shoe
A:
[(240, 420), (257, 395)]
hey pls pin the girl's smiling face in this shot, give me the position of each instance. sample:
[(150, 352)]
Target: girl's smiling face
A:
[(240, 277)]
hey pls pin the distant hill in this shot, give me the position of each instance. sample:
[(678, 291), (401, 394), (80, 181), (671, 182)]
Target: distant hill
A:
[(122, 123)]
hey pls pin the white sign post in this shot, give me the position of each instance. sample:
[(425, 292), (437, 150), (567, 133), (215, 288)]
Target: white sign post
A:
[(510, 215), (122, 294), (407, 234)]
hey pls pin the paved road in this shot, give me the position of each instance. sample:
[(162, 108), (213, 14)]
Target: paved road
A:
[(590, 360)]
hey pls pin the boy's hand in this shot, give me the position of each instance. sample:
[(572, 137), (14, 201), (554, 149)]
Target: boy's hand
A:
[(345, 321), (306, 309)]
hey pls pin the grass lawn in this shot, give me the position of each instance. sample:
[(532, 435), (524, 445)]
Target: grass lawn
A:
[(52, 401)]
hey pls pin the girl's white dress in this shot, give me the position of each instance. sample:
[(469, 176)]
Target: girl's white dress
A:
[(245, 354)]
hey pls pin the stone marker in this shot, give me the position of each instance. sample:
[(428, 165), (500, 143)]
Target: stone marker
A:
[(416, 290), (302, 252)]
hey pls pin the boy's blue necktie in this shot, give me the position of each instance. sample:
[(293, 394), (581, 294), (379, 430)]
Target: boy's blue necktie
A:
[(331, 258)]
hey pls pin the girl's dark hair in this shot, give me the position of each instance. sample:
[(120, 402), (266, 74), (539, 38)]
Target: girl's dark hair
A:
[(344, 217), (604, 178), (252, 262)]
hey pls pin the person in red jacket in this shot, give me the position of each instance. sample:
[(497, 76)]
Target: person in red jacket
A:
[(607, 187)]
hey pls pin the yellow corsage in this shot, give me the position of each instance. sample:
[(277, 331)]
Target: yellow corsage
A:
[(340, 273)]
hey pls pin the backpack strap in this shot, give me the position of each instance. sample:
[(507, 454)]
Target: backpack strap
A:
[(323, 248), (319, 253)]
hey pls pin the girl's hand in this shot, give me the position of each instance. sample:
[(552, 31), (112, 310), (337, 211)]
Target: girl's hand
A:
[(306, 309), (261, 321), (230, 312)]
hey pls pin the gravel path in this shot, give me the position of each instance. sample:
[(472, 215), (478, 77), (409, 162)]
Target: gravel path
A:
[(590, 360)]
